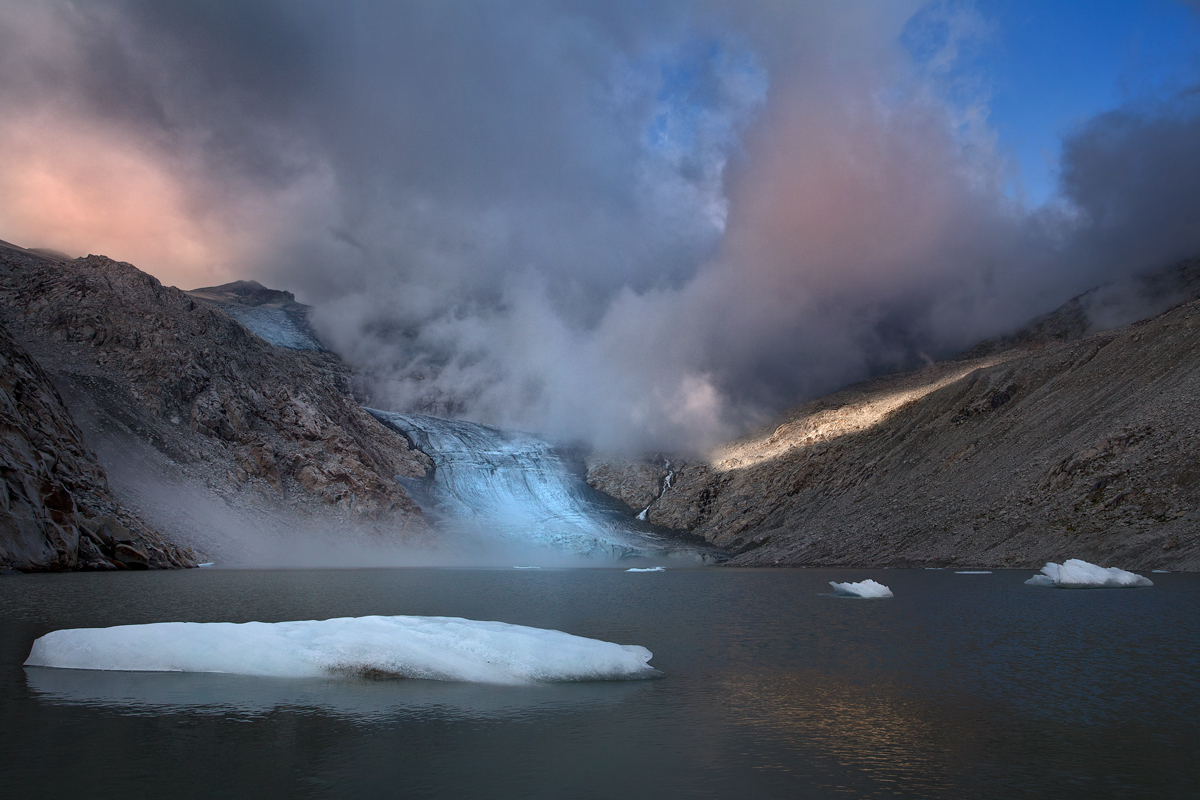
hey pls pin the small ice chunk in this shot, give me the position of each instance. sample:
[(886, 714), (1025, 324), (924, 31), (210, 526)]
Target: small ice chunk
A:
[(867, 588), (526, 567), (205, 564), (1163, 571), (435, 648), (1075, 573), (973, 572), (647, 569)]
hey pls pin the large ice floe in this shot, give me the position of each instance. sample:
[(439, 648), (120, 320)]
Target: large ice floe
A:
[(867, 588), (435, 648), (1075, 573)]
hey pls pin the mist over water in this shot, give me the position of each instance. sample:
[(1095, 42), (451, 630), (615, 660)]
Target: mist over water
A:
[(639, 227)]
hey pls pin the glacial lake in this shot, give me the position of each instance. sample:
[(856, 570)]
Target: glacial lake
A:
[(961, 686)]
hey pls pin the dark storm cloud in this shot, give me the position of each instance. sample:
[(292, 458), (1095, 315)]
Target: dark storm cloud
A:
[(636, 224), (1134, 176)]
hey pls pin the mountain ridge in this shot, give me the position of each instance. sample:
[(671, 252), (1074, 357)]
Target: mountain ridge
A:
[(1051, 443), (182, 401)]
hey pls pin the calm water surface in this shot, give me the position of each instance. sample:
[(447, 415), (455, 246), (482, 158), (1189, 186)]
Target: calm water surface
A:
[(960, 686)]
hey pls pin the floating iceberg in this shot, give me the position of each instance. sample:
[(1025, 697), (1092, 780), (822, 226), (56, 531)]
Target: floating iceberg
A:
[(867, 588), (646, 569), (435, 648), (1076, 574), (973, 572)]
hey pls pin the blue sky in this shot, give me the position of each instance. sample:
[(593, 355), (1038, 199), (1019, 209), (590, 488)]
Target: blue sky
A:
[(1046, 66)]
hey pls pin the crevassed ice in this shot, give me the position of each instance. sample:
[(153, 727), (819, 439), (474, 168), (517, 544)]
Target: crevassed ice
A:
[(517, 487), (275, 325), (1075, 573), (867, 588), (435, 648)]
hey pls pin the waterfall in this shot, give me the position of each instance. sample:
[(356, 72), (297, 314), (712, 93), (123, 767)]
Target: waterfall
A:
[(517, 487)]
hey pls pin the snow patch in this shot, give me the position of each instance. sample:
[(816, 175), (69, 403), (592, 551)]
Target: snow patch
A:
[(867, 588), (434, 648), (1075, 573)]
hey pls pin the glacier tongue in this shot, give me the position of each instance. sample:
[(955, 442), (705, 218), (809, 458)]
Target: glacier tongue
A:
[(516, 486)]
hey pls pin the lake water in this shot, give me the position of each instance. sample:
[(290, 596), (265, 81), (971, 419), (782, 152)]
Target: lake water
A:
[(960, 686)]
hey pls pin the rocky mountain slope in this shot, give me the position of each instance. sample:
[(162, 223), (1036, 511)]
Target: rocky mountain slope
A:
[(179, 397), (57, 509), (1056, 445)]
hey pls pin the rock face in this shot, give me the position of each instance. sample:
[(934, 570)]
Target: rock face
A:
[(637, 484), (57, 512), (1060, 448), (190, 391)]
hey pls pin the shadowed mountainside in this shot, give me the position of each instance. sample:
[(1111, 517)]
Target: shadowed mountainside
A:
[(57, 510), (177, 396), (1048, 445)]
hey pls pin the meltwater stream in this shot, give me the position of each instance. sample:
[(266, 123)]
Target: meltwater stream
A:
[(517, 487)]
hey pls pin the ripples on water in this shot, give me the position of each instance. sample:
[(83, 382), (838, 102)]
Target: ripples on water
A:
[(960, 686)]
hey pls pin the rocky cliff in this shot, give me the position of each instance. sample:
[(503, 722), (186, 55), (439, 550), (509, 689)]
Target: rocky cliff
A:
[(174, 391), (1060, 445), (57, 511)]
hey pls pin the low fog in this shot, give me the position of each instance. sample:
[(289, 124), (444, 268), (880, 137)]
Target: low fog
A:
[(638, 226)]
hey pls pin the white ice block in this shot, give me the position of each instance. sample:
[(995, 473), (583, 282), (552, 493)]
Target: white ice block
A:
[(867, 588), (437, 648), (1078, 574)]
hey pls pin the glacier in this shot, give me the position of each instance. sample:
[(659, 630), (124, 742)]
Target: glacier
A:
[(519, 488), (281, 327), (1075, 573), (867, 588), (433, 648)]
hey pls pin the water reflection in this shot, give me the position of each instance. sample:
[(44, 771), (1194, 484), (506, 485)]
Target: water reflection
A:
[(817, 723), (957, 687), (368, 701)]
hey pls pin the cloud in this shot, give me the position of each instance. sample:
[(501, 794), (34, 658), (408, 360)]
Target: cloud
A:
[(637, 225)]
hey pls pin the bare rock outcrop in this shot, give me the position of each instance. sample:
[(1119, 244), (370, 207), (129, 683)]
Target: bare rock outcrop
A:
[(144, 363), (57, 511), (1084, 447), (637, 484)]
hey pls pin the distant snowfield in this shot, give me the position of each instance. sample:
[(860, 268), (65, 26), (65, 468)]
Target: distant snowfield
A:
[(434, 648), (1075, 573)]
